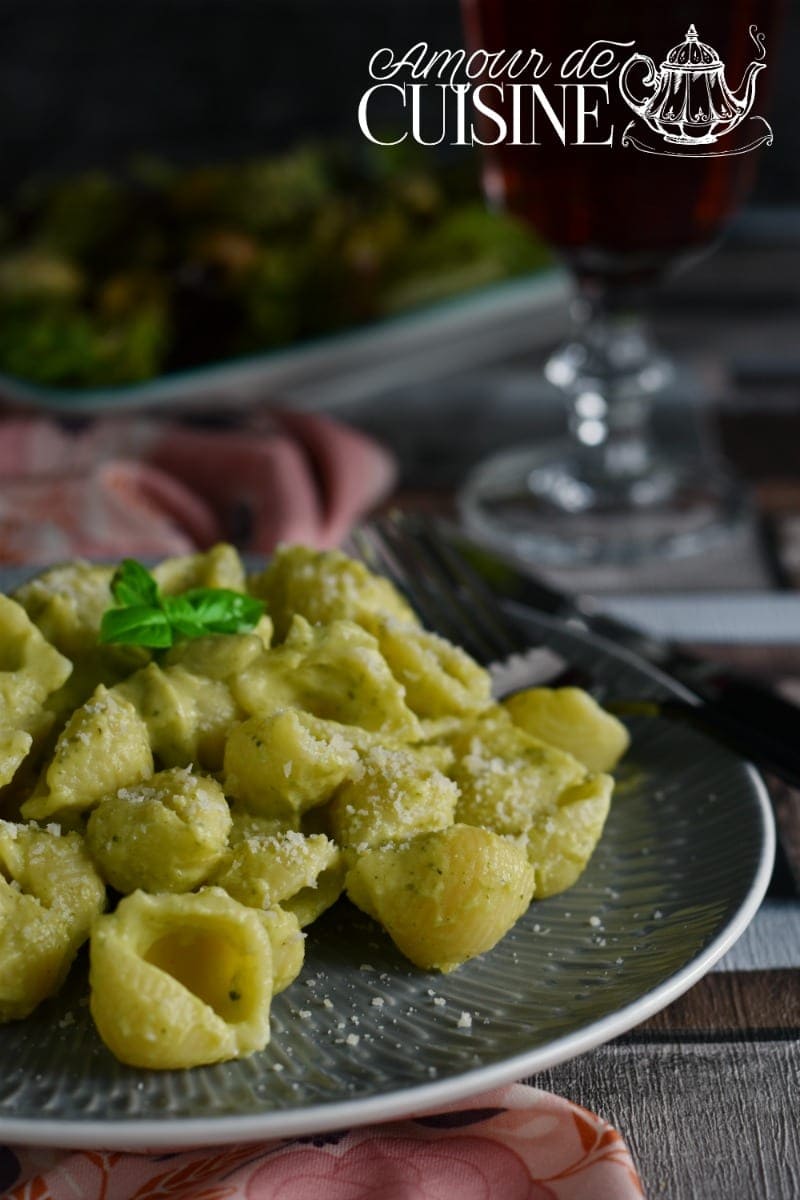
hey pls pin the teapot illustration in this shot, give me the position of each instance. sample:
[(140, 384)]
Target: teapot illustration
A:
[(690, 103)]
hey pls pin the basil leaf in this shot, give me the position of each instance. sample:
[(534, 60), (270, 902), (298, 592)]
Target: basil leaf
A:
[(136, 625), (212, 610), (146, 618), (133, 584)]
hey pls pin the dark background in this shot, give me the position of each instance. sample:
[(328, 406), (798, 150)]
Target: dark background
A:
[(87, 83)]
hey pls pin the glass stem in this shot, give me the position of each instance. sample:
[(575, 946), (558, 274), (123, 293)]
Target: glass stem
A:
[(608, 373)]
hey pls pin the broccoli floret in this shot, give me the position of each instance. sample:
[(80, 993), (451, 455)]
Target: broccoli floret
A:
[(257, 197), (38, 274), (81, 216), (63, 346), (45, 345), (469, 248)]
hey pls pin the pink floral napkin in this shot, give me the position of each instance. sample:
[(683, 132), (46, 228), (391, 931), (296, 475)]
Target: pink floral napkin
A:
[(514, 1143), (140, 487)]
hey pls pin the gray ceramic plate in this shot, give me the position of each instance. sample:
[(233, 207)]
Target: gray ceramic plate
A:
[(361, 1036)]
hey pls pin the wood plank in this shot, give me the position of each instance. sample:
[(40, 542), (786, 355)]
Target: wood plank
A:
[(704, 1122), (770, 942), (770, 662), (761, 445), (746, 1004)]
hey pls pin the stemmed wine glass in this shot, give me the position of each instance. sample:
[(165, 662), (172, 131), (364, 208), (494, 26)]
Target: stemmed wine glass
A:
[(621, 217)]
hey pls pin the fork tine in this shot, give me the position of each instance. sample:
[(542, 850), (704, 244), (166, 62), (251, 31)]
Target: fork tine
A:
[(379, 556), (434, 587), (475, 635), (483, 604), (450, 598), (472, 593), (392, 551)]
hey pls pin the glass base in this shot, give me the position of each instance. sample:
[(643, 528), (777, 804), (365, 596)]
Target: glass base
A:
[(534, 503)]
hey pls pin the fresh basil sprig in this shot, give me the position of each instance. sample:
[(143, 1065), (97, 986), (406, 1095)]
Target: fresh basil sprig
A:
[(144, 617)]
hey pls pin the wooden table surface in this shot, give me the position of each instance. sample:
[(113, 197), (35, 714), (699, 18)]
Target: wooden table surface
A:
[(707, 1092)]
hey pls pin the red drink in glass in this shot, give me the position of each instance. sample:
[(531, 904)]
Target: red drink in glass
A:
[(613, 211)]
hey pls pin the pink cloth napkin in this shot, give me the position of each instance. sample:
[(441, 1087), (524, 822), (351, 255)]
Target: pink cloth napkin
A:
[(514, 1143), (140, 487)]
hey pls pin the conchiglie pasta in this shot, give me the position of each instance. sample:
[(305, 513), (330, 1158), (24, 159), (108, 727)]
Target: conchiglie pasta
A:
[(30, 668), (35, 952), (67, 603), (188, 717), (50, 893), (505, 775), (325, 586), (286, 763), (219, 567), (163, 835), (305, 875), (392, 795), (440, 679), (14, 747), (288, 945), (104, 746), (220, 656), (572, 720), (55, 868), (335, 672), (446, 896), (522, 787), (561, 840), (180, 981)]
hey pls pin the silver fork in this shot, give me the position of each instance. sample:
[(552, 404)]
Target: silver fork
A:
[(449, 597)]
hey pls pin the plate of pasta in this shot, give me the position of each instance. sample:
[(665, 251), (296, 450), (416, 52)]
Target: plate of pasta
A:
[(275, 860)]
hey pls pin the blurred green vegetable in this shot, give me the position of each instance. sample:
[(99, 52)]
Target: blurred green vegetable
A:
[(48, 345), (469, 248), (107, 281), (34, 273)]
